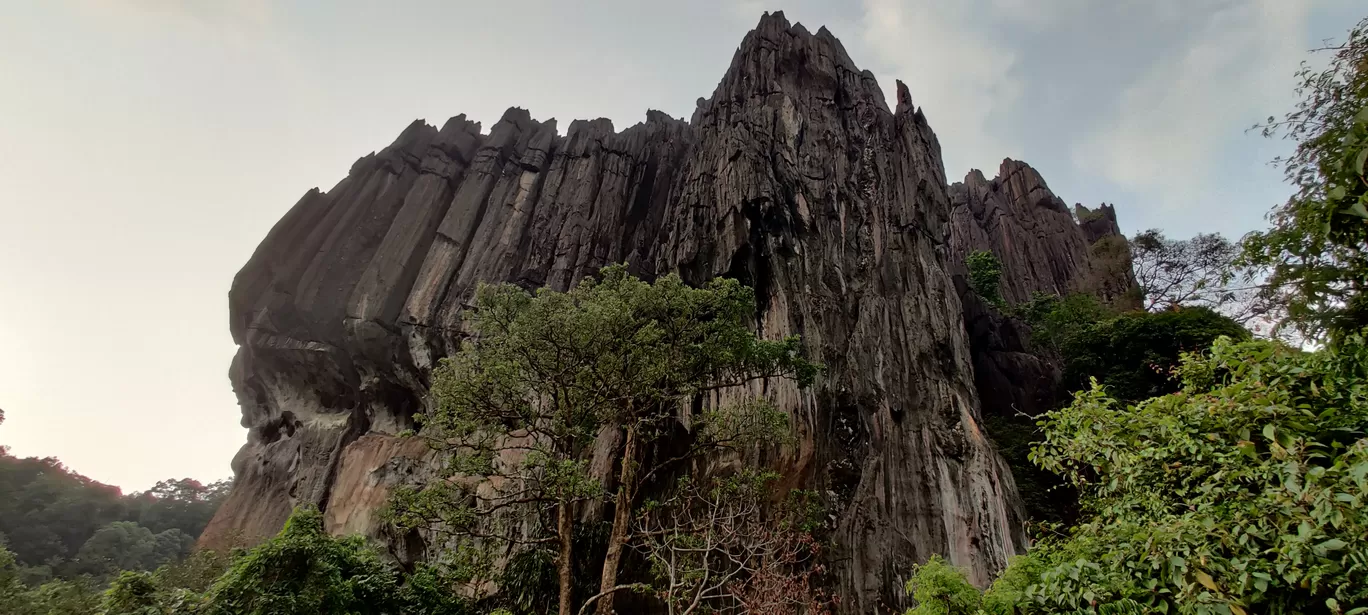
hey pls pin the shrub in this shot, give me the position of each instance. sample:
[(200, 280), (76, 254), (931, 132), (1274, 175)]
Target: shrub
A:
[(985, 274), (304, 571), (942, 589)]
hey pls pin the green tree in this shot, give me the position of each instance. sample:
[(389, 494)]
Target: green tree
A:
[(1057, 322), (181, 504), (65, 597), (1243, 492), (195, 573), (304, 571), (13, 598), (546, 375), (1317, 248), (121, 545), (1134, 354), (125, 545), (59, 597)]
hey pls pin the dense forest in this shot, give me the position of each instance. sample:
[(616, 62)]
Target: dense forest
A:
[(66, 533), (1209, 453)]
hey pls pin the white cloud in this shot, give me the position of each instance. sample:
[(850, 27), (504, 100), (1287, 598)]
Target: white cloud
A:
[(1164, 134)]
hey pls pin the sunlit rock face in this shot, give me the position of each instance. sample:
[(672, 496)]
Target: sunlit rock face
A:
[(795, 176)]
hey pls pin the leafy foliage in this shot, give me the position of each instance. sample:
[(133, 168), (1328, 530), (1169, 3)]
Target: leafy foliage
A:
[(1316, 246), (132, 593), (942, 589), (1057, 322), (305, 571), (985, 275), (125, 545), (62, 524), (1133, 354), (56, 597), (1242, 492)]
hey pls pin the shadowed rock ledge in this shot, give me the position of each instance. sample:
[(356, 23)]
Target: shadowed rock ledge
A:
[(795, 177)]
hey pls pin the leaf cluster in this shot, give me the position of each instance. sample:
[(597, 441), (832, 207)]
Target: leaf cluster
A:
[(1242, 492), (1317, 248)]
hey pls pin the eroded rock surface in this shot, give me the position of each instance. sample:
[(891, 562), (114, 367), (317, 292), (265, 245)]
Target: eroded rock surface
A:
[(1044, 248), (795, 177)]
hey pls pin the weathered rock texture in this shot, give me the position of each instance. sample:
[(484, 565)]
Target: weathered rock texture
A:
[(1043, 247), (794, 176)]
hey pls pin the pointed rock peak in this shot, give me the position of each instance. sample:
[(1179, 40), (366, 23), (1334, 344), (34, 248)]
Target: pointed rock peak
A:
[(517, 115), (418, 130), (904, 98), (775, 20), (1011, 167), (777, 57), (459, 124)]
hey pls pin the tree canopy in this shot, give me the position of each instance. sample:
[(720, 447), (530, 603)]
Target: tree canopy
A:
[(1317, 247)]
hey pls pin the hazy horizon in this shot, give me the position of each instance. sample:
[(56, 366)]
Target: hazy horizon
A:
[(147, 146)]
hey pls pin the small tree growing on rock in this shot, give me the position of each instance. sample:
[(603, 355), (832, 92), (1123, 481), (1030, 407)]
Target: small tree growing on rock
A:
[(985, 274)]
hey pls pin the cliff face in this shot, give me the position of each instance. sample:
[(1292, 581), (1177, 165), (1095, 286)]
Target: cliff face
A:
[(1044, 249), (794, 176)]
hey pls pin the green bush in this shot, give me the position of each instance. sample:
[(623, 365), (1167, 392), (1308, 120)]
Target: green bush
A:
[(1056, 322), (1243, 492), (304, 571), (942, 589), (132, 593)]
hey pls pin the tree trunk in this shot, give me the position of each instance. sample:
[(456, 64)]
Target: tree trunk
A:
[(564, 529), (622, 520)]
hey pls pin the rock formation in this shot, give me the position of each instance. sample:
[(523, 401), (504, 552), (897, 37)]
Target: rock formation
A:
[(795, 177), (1043, 247)]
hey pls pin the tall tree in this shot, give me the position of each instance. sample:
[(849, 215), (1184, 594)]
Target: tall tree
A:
[(1317, 248), (1199, 272), (614, 361)]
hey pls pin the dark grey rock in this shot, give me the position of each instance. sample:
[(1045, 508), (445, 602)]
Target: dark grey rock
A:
[(794, 176)]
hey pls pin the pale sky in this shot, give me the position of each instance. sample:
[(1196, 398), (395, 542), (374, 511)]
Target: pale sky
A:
[(146, 147)]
